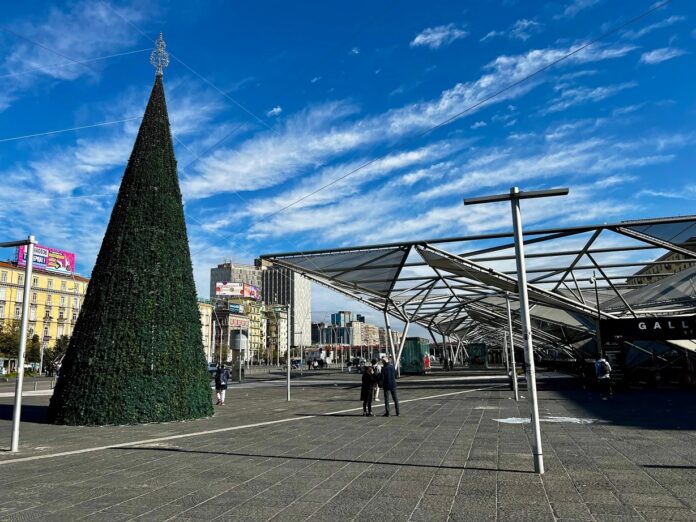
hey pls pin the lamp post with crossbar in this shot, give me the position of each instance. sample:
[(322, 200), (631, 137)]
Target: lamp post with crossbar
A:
[(514, 198), (17, 411)]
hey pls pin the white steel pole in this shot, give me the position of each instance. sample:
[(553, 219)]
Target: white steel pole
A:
[(526, 328), (512, 349), (17, 413), (287, 356)]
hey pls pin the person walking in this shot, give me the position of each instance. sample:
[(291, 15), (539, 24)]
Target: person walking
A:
[(377, 372), (222, 376), (603, 372), (389, 386), (366, 391)]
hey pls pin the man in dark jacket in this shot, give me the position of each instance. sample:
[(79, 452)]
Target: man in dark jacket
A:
[(222, 376), (389, 386)]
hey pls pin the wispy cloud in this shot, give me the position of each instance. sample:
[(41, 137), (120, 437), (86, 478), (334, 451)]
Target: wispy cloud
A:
[(579, 95), (522, 29), (323, 133), (478, 124), (687, 193), (435, 37), (574, 7), (634, 34), (77, 33), (661, 55)]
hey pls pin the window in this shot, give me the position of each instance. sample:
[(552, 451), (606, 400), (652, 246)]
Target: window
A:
[(60, 331), (74, 302), (62, 300), (34, 297), (3, 293), (61, 315), (3, 277), (49, 299), (34, 281), (47, 315), (50, 284), (74, 317), (20, 279), (45, 332), (18, 311), (2, 311), (62, 286), (20, 295), (32, 313)]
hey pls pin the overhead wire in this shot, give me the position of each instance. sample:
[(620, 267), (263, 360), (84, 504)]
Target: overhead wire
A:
[(57, 65), (469, 108)]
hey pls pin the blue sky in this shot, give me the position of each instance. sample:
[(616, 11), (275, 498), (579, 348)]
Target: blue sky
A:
[(297, 94)]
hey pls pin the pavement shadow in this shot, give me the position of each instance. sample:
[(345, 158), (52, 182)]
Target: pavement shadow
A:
[(661, 409), (316, 459), (30, 413)]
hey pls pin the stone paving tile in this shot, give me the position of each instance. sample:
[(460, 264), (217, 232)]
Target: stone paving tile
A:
[(630, 466)]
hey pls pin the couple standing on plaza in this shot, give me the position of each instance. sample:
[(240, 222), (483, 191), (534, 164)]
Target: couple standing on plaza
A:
[(375, 377)]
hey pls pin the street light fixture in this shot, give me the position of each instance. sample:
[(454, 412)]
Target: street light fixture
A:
[(514, 198)]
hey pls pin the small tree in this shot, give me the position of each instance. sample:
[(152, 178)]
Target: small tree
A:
[(34, 349), (9, 339)]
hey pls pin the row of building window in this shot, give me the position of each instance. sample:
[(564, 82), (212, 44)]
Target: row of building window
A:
[(35, 282), (62, 316), (35, 298)]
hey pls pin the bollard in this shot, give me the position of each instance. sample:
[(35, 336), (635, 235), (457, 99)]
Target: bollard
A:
[(35, 383), (53, 383)]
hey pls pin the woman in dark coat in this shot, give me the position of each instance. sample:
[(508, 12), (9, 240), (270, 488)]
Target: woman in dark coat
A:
[(368, 382)]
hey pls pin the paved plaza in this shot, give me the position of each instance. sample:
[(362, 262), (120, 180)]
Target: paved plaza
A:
[(459, 451)]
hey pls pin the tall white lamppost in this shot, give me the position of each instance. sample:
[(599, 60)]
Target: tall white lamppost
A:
[(514, 198), (17, 412)]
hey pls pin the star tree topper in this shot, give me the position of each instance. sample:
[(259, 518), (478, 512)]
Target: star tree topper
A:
[(159, 58)]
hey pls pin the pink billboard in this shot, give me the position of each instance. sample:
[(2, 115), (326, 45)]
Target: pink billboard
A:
[(48, 259), (251, 292)]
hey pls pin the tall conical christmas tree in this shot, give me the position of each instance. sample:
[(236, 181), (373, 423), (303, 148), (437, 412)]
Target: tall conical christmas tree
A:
[(136, 354)]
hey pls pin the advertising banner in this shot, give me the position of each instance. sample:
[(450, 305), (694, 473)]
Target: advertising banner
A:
[(229, 288), (649, 328), (236, 308), (239, 323), (49, 259), (252, 292)]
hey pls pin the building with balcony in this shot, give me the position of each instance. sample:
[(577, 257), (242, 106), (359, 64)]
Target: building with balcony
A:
[(55, 301)]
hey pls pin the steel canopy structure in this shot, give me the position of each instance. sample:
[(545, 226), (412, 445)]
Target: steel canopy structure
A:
[(458, 287)]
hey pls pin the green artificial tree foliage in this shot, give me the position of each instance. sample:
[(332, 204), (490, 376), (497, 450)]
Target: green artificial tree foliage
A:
[(136, 353)]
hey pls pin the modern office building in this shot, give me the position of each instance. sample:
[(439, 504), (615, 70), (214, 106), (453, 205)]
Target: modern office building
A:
[(342, 318), (281, 286), (54, 302), (236, 273)]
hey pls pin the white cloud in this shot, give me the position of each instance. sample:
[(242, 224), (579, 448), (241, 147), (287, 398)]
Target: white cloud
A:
[(574, 7), (660, 55), (82, 31), (355, 50), (578, 95), (275, 111), (478, 124), (435, 37), (635, 34), (687, 193), (324, 133), (522, 29), (587, 157), (315, 79)]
